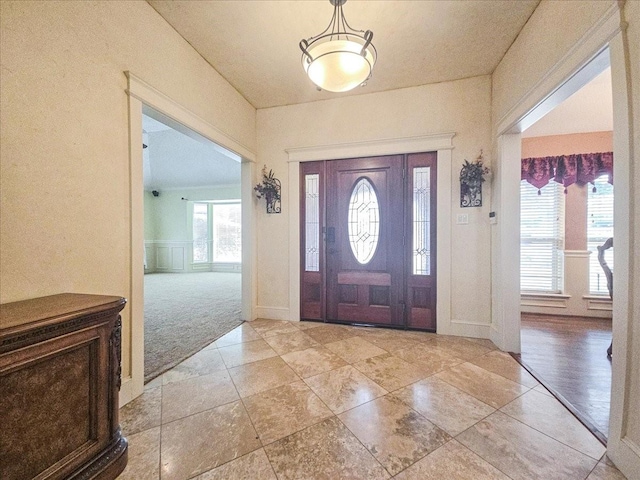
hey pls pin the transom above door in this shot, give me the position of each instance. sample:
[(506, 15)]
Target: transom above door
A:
[(368, 240)]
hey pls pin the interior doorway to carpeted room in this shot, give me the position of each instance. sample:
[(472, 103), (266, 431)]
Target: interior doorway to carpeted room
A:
[(192, 242)]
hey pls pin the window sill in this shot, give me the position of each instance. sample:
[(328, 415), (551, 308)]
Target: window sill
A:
[(545, 295), (209, 264), (601, 298), (551, 300)]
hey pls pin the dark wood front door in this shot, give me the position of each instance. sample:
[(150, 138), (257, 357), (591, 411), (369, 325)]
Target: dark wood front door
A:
[(364, 240), (368, 240)]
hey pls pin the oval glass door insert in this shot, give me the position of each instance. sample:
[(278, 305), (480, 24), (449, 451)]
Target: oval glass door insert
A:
[(364, 221)]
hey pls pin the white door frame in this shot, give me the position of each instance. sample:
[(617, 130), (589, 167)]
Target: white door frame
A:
[(443, 145), (580, 65), (142, 93)]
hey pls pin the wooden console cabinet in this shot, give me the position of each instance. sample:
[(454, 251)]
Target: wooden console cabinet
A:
[(59, 384)]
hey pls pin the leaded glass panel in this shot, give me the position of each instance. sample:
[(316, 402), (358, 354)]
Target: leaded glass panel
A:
[(364, 221), (312, 222), (421, 251)]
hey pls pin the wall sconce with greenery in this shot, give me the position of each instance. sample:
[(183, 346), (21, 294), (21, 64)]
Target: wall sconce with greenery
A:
[(269, 189), (471, 179)]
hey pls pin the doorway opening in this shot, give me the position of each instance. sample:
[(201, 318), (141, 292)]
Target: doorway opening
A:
[(192, 242), (566, 213), (368, 241)]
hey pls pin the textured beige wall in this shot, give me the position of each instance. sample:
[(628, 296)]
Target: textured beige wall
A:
[(551, 31), (64, 149), (554, 145), (462, 106)]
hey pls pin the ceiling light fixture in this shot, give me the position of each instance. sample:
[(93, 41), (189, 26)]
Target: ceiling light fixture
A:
[(339, 58)]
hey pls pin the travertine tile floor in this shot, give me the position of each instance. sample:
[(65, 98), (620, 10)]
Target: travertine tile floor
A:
[(297, 400)]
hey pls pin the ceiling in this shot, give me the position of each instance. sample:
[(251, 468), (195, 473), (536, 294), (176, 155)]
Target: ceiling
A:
[(254, 44), (176, 160), (590, 109)]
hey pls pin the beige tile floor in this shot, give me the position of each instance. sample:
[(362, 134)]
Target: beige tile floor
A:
[(290, 400)]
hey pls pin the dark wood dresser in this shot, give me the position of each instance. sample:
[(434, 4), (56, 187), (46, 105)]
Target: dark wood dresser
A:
[(59, 384)]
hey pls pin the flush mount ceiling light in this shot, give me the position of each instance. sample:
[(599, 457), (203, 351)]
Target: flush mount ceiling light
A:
[(339, 58)]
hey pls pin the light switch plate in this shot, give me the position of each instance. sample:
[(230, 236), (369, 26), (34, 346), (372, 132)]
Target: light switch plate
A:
[(462, 219)]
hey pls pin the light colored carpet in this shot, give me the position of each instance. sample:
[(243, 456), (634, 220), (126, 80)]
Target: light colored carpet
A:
[(184, 313)]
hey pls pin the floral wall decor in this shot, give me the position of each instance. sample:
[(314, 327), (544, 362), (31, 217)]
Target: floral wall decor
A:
[(471, 178), (269, 189)]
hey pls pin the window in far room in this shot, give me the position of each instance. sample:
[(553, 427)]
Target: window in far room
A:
[(227, 233), (599, 229), (217, 232), (200, 233), (542, 238)]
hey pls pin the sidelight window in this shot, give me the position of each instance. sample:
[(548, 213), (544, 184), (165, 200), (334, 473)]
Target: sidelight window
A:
[(421, 250), (312, 222)]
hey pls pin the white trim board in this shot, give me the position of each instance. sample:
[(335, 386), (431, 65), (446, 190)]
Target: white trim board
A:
[(577, 67), (624, 452), (142, 94), (577, 253), (157, 100), (372, 148), (274, 313)]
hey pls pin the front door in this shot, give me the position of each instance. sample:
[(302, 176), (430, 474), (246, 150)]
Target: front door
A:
[(364, 240), (368, 241)]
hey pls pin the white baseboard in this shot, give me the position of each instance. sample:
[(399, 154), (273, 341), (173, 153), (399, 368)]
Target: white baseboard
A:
[(126, 391), (547, 301), (466, 328), (626, 457), (274, 313)]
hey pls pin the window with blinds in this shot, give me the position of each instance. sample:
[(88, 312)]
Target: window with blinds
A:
[(541, 238), (599, 229)]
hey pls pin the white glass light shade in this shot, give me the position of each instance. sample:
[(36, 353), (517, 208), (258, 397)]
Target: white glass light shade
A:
[(338, 66)]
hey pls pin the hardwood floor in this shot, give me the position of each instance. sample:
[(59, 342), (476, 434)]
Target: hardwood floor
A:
[(569, 356)]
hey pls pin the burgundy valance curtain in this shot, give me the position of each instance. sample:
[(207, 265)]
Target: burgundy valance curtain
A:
[(579, 168)]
